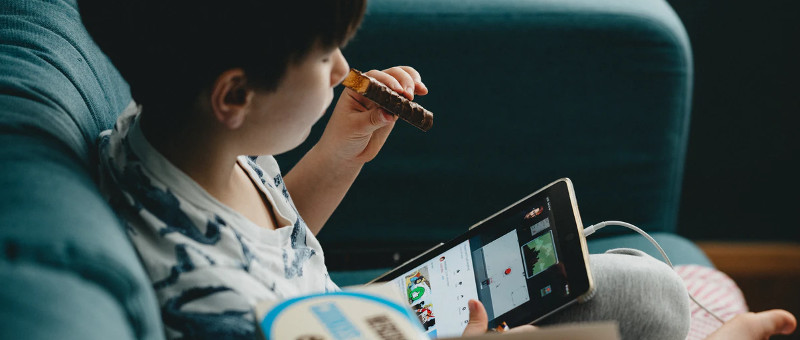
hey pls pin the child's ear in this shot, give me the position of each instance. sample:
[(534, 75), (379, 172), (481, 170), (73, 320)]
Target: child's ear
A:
[(230, 97)]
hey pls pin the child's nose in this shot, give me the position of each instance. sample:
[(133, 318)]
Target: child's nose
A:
[(340, 68)]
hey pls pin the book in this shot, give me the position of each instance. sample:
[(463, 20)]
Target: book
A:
[(362, 312)]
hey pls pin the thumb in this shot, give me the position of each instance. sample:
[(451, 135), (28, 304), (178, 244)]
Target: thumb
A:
[(478, 319), (379, 117)]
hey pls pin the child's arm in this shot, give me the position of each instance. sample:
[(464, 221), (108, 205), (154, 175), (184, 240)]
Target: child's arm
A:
[(354, 135)]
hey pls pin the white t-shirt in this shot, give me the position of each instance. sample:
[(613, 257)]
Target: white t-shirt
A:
[(209, 265)]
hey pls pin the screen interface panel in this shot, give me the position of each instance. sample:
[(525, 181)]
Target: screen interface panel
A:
[(514, 262)]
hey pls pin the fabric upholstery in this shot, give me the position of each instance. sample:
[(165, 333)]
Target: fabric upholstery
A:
[(68, 269)]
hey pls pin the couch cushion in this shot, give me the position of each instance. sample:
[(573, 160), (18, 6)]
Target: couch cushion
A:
[(679, 250)]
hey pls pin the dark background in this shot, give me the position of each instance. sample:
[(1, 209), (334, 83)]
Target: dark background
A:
[(741, 180)]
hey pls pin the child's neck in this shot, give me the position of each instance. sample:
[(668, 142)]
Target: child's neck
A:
[(210, 162), (205, 160)]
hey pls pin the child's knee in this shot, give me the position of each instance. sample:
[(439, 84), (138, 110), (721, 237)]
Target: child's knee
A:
[(644, 295)]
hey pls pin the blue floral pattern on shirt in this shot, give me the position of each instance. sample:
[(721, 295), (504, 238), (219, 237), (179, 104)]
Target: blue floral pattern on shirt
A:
[(206, 262)]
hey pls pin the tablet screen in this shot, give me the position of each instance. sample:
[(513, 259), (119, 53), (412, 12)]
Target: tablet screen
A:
[(509, 261)]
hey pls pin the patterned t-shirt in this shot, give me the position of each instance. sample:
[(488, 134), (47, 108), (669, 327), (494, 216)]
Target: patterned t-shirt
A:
[(208, 264)]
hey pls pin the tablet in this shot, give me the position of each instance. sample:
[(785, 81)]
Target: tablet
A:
[(523, 263)]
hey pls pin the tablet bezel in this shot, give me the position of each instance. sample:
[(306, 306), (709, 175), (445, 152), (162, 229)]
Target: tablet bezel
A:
[(571, 241)]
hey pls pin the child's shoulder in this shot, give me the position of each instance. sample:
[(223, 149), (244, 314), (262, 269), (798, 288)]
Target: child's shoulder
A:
[(267, 168)]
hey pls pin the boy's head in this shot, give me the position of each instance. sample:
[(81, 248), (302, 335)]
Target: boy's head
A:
[(172, 52)]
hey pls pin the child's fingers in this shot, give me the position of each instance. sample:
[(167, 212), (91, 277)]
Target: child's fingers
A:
[(387, 80), (420, 89), (478, 319), (384, 124), (405, 79)]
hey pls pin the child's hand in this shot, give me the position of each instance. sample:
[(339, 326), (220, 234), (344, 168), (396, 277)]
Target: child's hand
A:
[(358, 127), (354, 135), (479, 321)]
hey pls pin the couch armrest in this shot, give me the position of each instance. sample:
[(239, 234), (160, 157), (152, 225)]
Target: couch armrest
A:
[(62, 250), (43, 302)]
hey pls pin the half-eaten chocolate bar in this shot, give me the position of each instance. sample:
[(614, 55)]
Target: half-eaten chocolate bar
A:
[(391, 101)]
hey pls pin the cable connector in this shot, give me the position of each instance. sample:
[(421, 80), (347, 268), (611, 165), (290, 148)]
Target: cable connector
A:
[(595, 227), (592, 228)]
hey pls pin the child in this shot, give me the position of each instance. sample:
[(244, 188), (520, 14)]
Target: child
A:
[(216, 232)]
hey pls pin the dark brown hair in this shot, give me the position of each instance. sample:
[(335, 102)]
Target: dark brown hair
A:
[(170, 51)]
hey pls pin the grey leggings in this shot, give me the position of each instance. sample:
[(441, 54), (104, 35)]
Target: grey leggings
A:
[(646, 297)]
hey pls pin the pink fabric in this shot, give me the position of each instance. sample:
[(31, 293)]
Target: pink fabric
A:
[(717, 292)]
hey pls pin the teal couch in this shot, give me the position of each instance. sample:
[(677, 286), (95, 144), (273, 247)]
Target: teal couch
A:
[(524, 92)]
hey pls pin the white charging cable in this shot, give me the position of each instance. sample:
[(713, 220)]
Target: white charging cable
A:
[(592, 228)]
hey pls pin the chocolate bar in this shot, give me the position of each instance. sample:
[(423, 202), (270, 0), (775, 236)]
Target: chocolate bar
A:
[(391, 101)]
